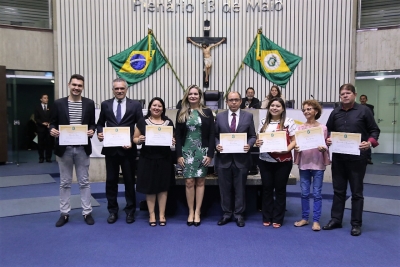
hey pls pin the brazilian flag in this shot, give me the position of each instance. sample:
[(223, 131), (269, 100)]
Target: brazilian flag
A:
[(138, 61), (271, 61)]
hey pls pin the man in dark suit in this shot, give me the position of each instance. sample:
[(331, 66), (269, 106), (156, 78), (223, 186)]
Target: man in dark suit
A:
[(233, 168), (120, 111), (250, 101), (363, 101), (74, 110), (42, 118)]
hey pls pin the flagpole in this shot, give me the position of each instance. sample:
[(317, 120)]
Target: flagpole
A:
[(259, 31), (169, 64)]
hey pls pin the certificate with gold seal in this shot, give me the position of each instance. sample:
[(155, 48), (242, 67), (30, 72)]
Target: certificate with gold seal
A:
[(273, 141), (233, 142), (73, 135), (345, 143), (159, 135), (310, 138), (117, 136)]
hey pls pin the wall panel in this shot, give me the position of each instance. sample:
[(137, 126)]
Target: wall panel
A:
[(320, 31)]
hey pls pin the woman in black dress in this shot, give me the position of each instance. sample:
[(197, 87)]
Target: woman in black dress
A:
[(155, 165)]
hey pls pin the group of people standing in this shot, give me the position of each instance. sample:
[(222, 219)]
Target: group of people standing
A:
[(197, 143)]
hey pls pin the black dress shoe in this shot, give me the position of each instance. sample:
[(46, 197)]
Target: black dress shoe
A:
[(130, 218), (189, 223), (41, 160), (196, 223), (62, 220), (223, 221), (369, 161), (88, 219), (355, 230), (332, 225), (112, 218), (240, 222), (48, 160)]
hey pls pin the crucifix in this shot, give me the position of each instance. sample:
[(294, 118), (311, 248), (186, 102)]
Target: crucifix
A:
[(206, 43)]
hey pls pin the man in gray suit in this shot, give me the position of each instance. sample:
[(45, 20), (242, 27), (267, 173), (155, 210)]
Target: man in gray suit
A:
[(232, 168)]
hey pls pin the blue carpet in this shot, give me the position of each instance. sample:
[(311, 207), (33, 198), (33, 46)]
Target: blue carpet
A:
[(9, 181)]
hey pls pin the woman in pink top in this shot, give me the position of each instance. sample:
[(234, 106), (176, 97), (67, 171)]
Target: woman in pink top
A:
[(312, 164)]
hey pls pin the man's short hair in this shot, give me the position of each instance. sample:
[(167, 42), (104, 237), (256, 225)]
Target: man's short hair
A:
[(118, 80), (240, 96), (250, 88), (365, 97), (347, 86), (77, 76), (41, 96)]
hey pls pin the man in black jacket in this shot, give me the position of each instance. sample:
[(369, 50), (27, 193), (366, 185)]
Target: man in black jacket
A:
[(42, 118)]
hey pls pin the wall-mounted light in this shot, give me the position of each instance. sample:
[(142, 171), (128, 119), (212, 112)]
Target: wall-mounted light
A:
[(379, 78), (52, 81)]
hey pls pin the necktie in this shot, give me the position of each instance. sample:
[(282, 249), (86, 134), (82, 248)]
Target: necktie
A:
[(44, 108), (233, 123), (119, 111)]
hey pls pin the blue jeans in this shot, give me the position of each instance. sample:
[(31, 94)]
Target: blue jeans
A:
[(74, 156), (317, 177)]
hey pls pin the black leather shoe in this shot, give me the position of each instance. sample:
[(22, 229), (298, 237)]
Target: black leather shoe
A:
[(223, 221), (62, 220), (189, 223), (355, 230), (48, 160), (332, 225), (196, 223), (88, 219), (240, 222), (41, 160), (130, 218), (369, 161), (112, 218)]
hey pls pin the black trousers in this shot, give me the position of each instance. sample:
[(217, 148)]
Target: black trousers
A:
[(351, 172), (232, 188), (127, 164), (274, 178), (45, 144)]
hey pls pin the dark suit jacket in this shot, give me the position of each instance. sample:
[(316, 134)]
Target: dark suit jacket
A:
[(246, 125), (132, 115), (255, 103), (207, 133), (40, 117), (371, 107), (60, 116)]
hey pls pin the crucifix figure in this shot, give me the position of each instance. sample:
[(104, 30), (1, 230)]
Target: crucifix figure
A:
[(206, 43)]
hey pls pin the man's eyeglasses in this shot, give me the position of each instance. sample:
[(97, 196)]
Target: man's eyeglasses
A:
[(307, 109), (234, 100)]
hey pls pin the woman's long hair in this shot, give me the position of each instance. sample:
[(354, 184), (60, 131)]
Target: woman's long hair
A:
[(163, 116), (184, 113), (270, 96), (269, 116)]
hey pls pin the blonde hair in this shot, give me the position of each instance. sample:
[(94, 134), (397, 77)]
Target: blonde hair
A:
[(184, 113)]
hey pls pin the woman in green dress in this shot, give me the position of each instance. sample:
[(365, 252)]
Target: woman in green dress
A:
[(194, 147)]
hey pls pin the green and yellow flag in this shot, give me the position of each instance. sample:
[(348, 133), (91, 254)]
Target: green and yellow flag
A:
[(138, 61), (271, 61)]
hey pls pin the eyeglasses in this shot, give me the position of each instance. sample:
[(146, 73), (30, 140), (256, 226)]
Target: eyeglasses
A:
[(307, 109), (234, 100)]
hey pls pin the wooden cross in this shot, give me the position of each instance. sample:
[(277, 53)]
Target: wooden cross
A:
[(210, 42)]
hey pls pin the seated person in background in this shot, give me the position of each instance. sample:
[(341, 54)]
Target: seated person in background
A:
[(274, 92), (250, 101)]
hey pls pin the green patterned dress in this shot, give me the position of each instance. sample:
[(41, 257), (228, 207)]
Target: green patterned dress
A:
[(192, 151)]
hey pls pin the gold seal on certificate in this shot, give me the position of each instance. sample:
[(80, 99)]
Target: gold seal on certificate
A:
[(345, 143), (73, 135), (159, 135), (233, 142), (117, 136), (273, 141), (310, 138)]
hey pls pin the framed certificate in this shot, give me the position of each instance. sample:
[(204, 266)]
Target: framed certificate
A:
[(233, 142), (159, 135), (117, 136), (273, 141), (310, 138), (345, 143), (73, 135)]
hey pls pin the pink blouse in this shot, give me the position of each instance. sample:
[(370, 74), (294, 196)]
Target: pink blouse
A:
[(312, 159)]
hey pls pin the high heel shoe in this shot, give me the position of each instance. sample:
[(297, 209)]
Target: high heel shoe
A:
[(196, 223), (162, 223), (190, 223), (153, 224)]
